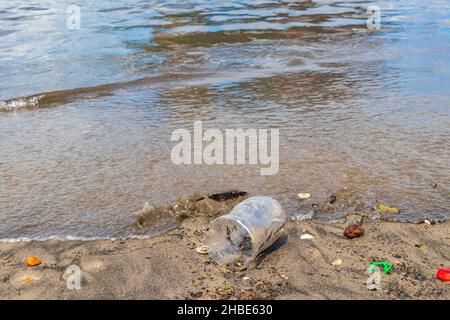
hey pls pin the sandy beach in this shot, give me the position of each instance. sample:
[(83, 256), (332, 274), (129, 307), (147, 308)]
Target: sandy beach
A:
[(168, 267)]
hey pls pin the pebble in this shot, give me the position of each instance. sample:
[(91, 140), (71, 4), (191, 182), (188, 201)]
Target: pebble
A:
[(354, 231), (333, 199), (306, 236), (196, 294), (336, 262), (304, 196)]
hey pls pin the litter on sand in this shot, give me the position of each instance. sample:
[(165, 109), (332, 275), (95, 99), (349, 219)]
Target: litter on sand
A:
[(236, 239), (387, 209), (443, 274), (386, 266), (32, 261)]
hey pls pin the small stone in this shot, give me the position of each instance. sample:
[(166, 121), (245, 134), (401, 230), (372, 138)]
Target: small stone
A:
[(32, 261), (196, 294), (306, 236), (336, 262), (191, 245), (304, 196), (333, 199), (427, 221), (283, 276), (354, 231), (202, 250), (246, 278)]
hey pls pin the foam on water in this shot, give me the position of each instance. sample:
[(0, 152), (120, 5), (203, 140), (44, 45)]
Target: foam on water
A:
[(74, 238), (20, 103)]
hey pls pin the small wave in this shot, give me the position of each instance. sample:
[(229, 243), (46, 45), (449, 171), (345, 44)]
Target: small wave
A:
[(75, 238), (59, 97), (54, 98)]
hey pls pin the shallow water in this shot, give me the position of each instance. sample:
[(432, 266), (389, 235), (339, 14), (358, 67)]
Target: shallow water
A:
[(86, 115)]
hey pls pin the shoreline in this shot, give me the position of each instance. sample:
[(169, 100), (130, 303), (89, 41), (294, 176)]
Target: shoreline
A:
[(168, 267)]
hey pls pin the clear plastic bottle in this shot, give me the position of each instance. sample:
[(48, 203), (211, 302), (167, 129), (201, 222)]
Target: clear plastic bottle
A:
[(235, 240)]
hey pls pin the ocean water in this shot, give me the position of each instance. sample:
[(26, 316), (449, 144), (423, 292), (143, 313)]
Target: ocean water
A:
[(87, 110)]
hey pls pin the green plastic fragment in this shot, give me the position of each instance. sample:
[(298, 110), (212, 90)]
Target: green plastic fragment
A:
[(386, 266)]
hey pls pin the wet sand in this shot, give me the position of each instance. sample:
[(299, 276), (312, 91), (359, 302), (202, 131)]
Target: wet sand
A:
[(168, 267)]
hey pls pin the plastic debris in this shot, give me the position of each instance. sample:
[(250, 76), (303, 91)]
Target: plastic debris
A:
[(386, 266), (304, 196), (306, 236), (336, 262), (27, 280), (385, 208), (236, 239), (443, 274), (32, 261)]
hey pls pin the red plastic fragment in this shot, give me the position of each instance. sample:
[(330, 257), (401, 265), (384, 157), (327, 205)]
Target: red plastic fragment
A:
[(443, 274)]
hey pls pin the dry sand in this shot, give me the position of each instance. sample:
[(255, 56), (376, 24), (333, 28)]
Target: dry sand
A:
[(168, 267)]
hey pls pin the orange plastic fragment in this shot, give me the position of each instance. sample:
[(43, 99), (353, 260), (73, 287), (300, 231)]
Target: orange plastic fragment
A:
[(32, 261)]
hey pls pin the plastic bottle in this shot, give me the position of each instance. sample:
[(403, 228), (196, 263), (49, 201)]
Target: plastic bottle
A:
[(235, 240)]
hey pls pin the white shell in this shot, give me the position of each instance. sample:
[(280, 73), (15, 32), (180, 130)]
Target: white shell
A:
[(202, 250)]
